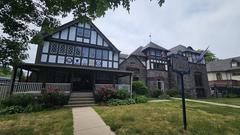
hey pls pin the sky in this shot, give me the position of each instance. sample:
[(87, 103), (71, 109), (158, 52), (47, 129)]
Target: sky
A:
[(196, 23)]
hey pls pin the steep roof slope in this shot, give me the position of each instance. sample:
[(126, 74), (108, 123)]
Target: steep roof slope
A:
[(182, 48), (154, 46), (222, 65)]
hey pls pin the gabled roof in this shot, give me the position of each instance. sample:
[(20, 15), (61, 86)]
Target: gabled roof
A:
[(222, 65), (154, 46), (123, 56), (74, 22), (138, 52), (182, 48)]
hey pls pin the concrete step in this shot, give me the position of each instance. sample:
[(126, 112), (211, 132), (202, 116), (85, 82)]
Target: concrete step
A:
[(80, 105), (81, 102), (81, 99), (81, 96)]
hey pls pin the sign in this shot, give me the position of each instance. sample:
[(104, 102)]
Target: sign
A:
[(180, 65)]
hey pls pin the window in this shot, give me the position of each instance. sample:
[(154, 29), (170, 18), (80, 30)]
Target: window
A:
[(110, 64), (219, 76), (44, 58), (105, 44), (198, 79), (79, 32), (85, 52), (86, 33), (69, 60), (52, 58), (158, 66), (70, 50), (53, 48), (115, 57), (105, 54), (98, 63), (61, 59), (77, 61), (62, 49), (236, 74), (93, 37), (110, 55), (99, 54), (91, 62), (100, 40), (158, 53), (45, 47), (115, 65), (78, 51), (104, 64), (84, 62), (92, 53), (135, 78), (152, 52), (234, 64)]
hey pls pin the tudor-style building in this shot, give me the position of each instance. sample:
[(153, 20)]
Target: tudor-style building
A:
[(78, 54), (152, 65)]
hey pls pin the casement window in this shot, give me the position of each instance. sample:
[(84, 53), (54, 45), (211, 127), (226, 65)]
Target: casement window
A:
[(84, 62), (62, 49), (104, 64), (92, 53), (99, 54), (77, 61), (98, 63), (99, 40), (45, 47), (110, 55), (152, 52), (160, 85), (85, 52), (53, 48), (115, 57), (80, 32), (115, 65), (61, 59), (93, 37), (105, 54), (70, 50), (69, 60), (236, 74), (44, 58), (110, 64), (87, 33), (78, 51), (52, 59), (91, 62)]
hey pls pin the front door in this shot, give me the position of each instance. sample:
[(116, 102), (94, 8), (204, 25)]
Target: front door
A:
[(83, 82)]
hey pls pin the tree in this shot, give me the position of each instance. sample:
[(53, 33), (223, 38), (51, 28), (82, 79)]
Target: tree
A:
[(209, 56), (21, 19)]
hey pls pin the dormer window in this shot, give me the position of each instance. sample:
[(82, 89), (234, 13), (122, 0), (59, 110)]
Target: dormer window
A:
[(152, 52), (235, 64)]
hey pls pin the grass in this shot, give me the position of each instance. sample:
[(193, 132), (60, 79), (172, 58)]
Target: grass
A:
[(165, 118), (231, 101), (54, 122)]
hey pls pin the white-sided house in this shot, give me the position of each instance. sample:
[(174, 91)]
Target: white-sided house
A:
[(223, 73)]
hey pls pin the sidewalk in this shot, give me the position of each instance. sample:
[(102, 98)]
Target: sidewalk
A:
[(87, 122), (210, 103)]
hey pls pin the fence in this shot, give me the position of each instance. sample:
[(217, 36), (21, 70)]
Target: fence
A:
[(4, 91), (66, 87), (225, 91), (27, 87)]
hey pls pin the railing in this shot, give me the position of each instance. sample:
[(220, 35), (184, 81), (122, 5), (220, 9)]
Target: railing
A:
[(36, 88), (27, 87), (66, 87), (4, 91)]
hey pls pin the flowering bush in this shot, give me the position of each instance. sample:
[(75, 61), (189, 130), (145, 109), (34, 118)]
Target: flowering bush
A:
[(103, 94)]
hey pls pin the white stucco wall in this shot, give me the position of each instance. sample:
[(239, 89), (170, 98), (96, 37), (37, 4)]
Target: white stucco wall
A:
[(225, 76)]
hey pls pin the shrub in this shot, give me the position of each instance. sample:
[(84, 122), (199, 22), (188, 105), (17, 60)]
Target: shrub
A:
[(20, 100), (104, 93), (116, 102), (139, 88), (155, 93), (164, 96), (54, 99), (33, 108), (12, 110), (172, 92), (141, 99), (122, 94)]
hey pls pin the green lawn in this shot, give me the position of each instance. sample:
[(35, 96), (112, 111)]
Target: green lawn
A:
[(55, 122), (165, 118), (231, 101)]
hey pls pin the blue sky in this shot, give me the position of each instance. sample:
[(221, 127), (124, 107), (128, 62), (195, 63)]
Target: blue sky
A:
[(196, 23)]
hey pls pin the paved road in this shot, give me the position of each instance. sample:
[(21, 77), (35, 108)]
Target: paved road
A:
[(87, 122), (210, 103)]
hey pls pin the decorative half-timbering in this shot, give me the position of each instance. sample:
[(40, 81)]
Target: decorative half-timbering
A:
[(79, 44)]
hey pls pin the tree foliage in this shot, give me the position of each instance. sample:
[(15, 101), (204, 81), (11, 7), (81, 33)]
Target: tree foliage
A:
[(20, 20), (209, 56)]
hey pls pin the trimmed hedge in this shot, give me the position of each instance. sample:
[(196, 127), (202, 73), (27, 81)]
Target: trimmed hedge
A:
[(139, 88), (141, 99)]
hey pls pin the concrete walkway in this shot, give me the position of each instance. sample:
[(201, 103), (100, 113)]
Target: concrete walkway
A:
[(87, 122), (210, 103)]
